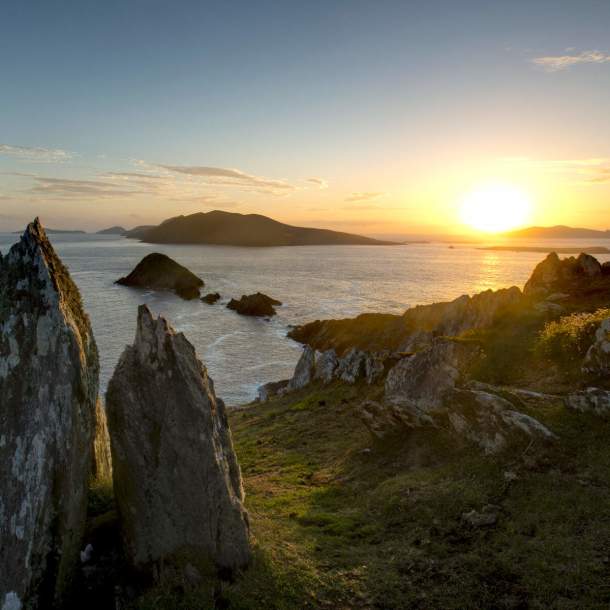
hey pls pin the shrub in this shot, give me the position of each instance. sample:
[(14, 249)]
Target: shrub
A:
[(570, 335)]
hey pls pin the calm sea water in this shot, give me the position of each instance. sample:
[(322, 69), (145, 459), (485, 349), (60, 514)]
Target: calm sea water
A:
[(313, 282)]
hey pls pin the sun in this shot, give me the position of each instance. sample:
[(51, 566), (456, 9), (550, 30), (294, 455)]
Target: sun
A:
[(494, 208)]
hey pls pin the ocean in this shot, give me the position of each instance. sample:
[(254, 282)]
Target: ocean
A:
[(313, 282)]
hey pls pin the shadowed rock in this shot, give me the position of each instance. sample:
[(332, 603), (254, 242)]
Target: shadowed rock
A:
[(159, 272), (176, 478), (258, 304), (48, 389), (568, 275), (211, 298)]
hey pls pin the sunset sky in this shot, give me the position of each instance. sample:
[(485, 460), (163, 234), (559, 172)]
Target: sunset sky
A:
[(374, 117)]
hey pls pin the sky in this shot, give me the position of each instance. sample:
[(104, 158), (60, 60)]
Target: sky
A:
[(376, 117)]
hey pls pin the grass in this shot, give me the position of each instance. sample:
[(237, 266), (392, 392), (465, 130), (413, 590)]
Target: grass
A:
[(340, 521)]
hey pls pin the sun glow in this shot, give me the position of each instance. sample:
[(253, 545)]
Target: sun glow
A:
[(494, 208)]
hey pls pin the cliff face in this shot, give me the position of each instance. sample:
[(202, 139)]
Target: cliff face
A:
[(176, 478), (48, 389)]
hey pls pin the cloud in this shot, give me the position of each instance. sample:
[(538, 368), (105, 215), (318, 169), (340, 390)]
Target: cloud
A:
[(556, 63), (66, 189), (319, 182), (128, 175), (586, 170), (232, 177), (368, 196), (43, 155)]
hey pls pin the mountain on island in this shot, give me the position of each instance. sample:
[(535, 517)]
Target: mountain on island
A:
[(233, 229), (112, 231), (558, 231)]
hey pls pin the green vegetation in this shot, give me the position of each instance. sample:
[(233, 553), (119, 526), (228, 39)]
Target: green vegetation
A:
[(570, 336), (341, 521)]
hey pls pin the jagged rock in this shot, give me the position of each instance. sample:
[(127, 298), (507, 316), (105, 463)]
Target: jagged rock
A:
[(258, 304), (304, 371), (159, 272), (490, 420), (48, 389), (272, 389), (568, 275), (176, 478), (101, 460), (211, 298), (419, 383), (591, 400), (352, 367), (326, 364), (374, 368), (597, 360)]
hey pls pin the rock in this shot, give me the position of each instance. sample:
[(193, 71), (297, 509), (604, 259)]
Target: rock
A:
[(490, 420), (304, 371), (326, 364), (374, 368), (176, 478), (159, 272), (547, 307), (272, 389), (568, 275), (48, 389), (211, 298), (101, 460), (258, 304), (487, 518), (418, 384), (591, 400), (352, 367), (606, 268), (597, 359)]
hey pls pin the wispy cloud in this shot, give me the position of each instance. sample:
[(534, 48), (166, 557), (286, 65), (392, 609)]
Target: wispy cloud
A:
[(65, 188), (43, 155), (584, 170), (366, 196), (232, 177), (556, 63), (319, 182)]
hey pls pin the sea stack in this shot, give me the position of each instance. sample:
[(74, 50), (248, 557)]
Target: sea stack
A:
[(159, 272), (176, 478), (48, 389)]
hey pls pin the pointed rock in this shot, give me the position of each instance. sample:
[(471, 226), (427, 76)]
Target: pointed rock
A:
[(48, 388), (176, 478)]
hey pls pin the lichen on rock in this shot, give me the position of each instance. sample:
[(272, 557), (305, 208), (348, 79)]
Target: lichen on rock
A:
[(48, 387), (176, 478)]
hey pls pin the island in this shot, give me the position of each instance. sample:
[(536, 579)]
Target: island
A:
[(116, 230), (543, 250), (159, 272), (251, 230), (558, 232)]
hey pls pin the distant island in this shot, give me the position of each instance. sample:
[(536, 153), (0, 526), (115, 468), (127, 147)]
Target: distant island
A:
[(559, 250), (112, 231), (137, 232), (558, 231), (252, 230)]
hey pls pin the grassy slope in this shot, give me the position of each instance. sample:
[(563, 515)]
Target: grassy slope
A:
[(343, 522)]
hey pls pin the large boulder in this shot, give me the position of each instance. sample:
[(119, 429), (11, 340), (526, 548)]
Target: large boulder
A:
[(597, 359), (352, 367), (591, 400), (159, 272), (48, 389), (569, 275), (176, 478), (257, 304), (304, 370)]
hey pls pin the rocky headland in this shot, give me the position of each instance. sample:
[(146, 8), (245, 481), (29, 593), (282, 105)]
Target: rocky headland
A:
[(159, 272)]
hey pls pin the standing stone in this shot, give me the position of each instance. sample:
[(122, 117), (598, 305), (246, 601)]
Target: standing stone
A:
[(176, 479), (304, 370), (326, 365), (48, 388), (597, 360)]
